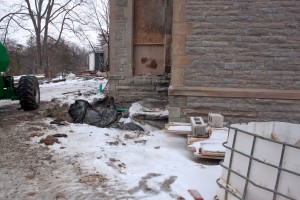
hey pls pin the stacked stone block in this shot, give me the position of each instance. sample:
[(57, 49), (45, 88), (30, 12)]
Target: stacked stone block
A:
[(122, 84), (237, 44), (243, 44)]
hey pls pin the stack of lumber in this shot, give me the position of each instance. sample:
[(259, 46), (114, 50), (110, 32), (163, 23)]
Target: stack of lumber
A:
[(209, 146)]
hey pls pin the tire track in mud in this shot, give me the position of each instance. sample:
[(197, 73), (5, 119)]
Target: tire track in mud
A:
[(33, 172)]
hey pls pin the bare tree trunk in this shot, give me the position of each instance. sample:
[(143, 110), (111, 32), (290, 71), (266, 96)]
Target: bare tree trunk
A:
[(42, 16)]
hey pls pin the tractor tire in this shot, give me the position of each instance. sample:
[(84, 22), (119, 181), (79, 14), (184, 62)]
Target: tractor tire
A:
[(29, 93)]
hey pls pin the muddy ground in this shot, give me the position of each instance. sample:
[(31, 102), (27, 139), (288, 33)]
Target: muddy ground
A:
[(33, 172)]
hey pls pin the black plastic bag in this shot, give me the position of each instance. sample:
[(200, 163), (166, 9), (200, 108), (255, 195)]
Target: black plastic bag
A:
[(83, 112)]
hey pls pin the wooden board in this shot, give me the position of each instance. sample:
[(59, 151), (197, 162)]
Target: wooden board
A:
[(149, 21), (149, 37), (149, 60), (197, 155), (191, 140), (209, 153), (297, 144), (191, 148), (195, 194), (274, 137)]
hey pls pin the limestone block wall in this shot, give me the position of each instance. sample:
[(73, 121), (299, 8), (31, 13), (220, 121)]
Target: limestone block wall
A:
[(246, 48), (253, 44), (120, 40), (122, 83), (134, 88)]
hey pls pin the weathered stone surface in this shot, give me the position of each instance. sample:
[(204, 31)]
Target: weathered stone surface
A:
[(243, 36), (175, 111), (142, 81), (177, 101), (122, 83), (240, 109), (121, 3), (237, 44), (126, 82)]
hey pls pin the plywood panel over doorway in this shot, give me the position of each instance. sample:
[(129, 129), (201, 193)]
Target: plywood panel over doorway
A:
[(149, 37)]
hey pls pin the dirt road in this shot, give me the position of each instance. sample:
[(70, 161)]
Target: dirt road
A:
[(30, 171)]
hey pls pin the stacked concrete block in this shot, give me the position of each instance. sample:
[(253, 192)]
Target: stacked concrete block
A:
[(215, 120), (198, 127)]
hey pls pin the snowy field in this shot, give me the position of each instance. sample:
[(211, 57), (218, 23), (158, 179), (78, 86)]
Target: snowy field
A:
[(150, 165)]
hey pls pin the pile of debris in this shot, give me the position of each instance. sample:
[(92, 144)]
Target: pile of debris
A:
[(205, 140), (151, 114)]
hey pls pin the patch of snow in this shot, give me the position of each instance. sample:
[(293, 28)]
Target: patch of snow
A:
[(214, 143), (137, 108), (160, 162), (7, 102), (213, 146), (71, 76), (71, 90), (180, 128), (125, 120), (130, 162)]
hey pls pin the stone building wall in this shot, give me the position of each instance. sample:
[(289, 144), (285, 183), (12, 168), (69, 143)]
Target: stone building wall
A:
[(122, 82), (238, 58)]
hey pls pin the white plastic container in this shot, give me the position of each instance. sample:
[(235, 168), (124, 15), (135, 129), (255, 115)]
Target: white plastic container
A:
[(272, 172)]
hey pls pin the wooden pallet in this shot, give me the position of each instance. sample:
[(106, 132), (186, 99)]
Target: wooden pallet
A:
[(206, 154), (215, 157), (216, 154), (191, 139)]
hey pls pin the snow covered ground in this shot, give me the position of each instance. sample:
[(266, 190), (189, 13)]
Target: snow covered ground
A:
[(150, 165)]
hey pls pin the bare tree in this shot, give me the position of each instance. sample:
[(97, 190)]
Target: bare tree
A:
[(46, 13), (94, 17), (7, 17), (101, 16), (48, 18)]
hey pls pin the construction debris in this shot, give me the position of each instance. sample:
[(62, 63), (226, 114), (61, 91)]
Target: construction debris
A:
[(104, 114), (150, 113), (198, 127), (274, 137), (57, 135), (83, 112), (297, 144), (205, 141), (196, 195), (215, 120), (59, 122), (211, 147)]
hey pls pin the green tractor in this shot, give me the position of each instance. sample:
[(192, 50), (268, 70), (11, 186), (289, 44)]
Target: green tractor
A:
[(27, 92)]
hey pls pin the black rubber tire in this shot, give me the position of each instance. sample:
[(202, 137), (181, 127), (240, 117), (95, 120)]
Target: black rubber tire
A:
[(29, 93)]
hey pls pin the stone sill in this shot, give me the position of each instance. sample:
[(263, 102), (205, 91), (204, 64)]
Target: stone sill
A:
[(234, 92)]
